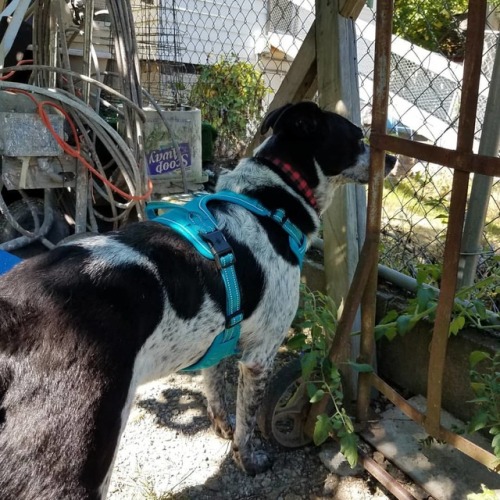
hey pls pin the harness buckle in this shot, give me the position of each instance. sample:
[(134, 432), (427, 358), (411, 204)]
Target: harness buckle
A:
[(279, 216), (219, 248), (234, 319)]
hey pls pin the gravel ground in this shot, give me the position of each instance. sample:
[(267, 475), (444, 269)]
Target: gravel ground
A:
[(168, 451)]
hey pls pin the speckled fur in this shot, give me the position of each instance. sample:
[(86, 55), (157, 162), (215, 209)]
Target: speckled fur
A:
[(83, 325)]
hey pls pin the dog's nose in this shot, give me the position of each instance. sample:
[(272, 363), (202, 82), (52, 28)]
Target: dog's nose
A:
[(390, 161)]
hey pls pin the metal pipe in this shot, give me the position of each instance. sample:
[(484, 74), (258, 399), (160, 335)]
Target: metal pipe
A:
[(408, 283), (82, 179), (465, 138), (383, 38), (87, 44), (344, 326), (481, 185), (27, 238)]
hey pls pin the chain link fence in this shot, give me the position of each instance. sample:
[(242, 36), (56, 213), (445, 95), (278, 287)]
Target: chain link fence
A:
[(244, 48), (425, 90), (179, 41)]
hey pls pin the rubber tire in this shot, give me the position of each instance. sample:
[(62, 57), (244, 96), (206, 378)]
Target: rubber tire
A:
[(285, 384)]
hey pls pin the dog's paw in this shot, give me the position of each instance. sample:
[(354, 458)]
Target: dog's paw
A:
[(252, 462), (222, 427)]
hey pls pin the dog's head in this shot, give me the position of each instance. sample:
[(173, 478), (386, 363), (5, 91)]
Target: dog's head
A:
[(303, 133)]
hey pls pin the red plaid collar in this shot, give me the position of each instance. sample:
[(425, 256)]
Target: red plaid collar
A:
[(299, 182)]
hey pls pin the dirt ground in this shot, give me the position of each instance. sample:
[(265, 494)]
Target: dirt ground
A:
[(168, 451)]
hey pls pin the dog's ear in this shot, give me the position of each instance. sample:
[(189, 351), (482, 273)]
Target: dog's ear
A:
[(272, 118), (299, 120)]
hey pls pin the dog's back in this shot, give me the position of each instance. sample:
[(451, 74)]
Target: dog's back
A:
[(54, 392), (70, 329), (80, 327)]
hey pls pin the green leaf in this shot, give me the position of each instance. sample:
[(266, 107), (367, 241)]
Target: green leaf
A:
[(337, 424), (404, 324), (311, 389), (424, 296), (322, 429), (349, 448), (479, 421), (476, 356), (317, 396), (388, 331), (360, 367), (297, 342), (349, 426), (480, 309), (334, 374), (495, 441), (389, 317), (456, 325), (308, 363), (391, 333), (479, 400)]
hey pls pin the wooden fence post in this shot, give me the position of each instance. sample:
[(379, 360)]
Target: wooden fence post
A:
[(344, 222)]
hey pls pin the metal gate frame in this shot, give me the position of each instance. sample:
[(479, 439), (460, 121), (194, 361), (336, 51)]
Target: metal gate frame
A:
[(364, 286), (302, 82)]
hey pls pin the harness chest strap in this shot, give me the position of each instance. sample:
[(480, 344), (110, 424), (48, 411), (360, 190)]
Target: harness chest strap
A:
[(195, 222)]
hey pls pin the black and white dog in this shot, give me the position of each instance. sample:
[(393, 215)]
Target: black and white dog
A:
[(86, 323)]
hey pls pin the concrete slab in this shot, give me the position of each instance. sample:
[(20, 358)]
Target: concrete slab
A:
[(446, 473)]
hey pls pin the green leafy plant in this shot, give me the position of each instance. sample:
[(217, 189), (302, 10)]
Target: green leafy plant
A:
[(314, 328), (468, 308), (486, 386), (432, 25), (229, 94)]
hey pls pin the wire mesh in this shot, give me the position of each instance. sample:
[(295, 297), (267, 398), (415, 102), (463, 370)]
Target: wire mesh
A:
[(180, 39), (425, 90)]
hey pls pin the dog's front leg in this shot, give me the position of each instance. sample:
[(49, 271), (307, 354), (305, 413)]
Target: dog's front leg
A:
[(215, 392), (251, 387)]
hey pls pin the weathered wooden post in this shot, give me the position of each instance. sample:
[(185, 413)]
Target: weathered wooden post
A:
[(344, 222)]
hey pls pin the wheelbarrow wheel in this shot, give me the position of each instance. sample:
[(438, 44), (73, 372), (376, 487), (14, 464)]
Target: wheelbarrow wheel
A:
[(285, 406)]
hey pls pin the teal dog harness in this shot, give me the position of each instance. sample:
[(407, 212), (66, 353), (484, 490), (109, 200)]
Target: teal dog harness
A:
[(195, 222)]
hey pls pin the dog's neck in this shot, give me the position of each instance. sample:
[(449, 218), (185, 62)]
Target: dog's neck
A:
[(294, 177), (258, 180)]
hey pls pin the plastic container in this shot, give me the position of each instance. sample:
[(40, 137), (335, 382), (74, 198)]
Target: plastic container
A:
[(163, 164)]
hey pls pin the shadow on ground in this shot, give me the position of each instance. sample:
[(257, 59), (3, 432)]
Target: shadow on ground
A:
[(179, 409)]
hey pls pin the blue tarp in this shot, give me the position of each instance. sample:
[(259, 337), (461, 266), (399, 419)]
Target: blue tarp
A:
[(7, 260)]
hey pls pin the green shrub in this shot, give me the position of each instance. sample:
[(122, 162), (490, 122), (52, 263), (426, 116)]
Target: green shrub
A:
[(486, 386), (431, 24), (314, 328), (229, 94)]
